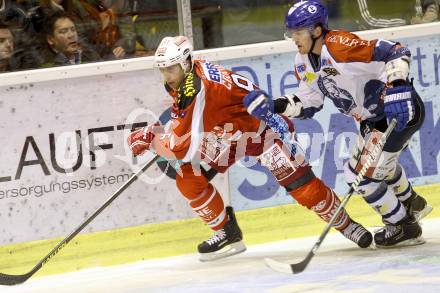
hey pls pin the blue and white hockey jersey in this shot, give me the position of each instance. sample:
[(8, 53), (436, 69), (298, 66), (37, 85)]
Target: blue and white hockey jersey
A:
[(350, 71)]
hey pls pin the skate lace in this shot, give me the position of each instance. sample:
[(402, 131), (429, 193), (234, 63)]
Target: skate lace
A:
[(354, 232), (217, 237), (391, 230)]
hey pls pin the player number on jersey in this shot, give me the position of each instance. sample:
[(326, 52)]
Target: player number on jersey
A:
[(242, 82)]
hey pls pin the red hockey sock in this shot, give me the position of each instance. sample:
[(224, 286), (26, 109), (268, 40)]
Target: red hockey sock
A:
[(210, 207), (205, 200), (315, 195)]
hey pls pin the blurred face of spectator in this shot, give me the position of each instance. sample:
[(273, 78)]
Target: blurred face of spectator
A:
[(6, 44), (64, 38)]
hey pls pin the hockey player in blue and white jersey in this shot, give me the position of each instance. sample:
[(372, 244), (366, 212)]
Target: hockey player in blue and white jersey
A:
[(369, 81)]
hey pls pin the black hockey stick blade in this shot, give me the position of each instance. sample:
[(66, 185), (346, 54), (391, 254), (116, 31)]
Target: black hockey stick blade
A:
[(10, 280)]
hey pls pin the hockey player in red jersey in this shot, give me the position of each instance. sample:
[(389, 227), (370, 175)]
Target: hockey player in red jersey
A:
[(367, 80), (209, 123)]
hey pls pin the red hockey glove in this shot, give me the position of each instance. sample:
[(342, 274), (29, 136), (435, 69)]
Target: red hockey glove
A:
[(140, 140)]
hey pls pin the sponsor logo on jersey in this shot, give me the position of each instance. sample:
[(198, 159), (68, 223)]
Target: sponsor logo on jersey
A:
[(309, 77), (326, 62), (301, 68), (188, 91), (212, 72), (176, 115), (346, 41), (278, 162)]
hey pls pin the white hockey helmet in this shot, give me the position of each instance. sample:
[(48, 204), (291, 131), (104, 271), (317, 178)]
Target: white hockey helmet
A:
[(174, 50)]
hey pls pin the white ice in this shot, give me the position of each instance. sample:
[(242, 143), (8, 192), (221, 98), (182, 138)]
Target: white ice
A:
[(339, 266)]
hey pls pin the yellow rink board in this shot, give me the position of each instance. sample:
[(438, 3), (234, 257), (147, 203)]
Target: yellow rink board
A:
[(180, 237)]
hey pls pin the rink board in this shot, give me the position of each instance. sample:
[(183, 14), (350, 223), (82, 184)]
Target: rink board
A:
[(65, 152)]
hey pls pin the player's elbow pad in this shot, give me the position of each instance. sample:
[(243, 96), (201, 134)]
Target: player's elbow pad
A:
[(289, 105), (398, 69)]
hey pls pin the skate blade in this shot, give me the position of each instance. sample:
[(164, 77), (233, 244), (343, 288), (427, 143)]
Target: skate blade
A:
[(423, 213), (410, 242), (232, 249)]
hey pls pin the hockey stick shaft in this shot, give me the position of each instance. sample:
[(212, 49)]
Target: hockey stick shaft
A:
[(6, 279), (299, 267)]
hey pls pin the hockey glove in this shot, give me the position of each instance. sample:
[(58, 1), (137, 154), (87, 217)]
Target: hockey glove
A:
[(259, 104), (140, 140), (398, 104), (289, 105)]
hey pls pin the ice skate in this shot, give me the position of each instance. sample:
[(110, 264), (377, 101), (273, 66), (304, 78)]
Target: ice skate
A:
[(407, 232), (417, 206), (224, 242), (358, 234)]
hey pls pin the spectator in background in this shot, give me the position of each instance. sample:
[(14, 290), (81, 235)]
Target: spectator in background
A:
[(63, 46), (21, 18), (100, 26), (429, 11), (95, 23), (6, 48)]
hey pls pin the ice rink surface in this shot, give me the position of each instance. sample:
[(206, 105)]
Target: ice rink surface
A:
[(339, 266)]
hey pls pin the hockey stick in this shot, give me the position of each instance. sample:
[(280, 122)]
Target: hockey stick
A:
[(6, 279), (296, 268)]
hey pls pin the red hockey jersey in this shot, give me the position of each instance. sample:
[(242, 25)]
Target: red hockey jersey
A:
[(209, 102)]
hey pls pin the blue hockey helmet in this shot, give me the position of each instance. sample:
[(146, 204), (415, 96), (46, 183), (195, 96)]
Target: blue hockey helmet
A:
[(306, 14)]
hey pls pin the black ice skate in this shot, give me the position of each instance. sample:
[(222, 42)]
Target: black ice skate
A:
[(417, 206), (358, 234), (406, 232), (224, 242)]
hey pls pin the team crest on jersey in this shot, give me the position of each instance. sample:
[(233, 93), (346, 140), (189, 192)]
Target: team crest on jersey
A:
[(330, 71), (340, 97)]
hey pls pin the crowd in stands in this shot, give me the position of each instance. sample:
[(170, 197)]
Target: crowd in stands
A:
[(427, 11), (46, 33)]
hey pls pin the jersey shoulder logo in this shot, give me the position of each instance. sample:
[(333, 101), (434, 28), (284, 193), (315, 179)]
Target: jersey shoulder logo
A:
[(212, 72)]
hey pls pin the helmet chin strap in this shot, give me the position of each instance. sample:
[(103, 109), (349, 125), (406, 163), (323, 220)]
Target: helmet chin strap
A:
[(188, 66), (313, 44), (314, 39)]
